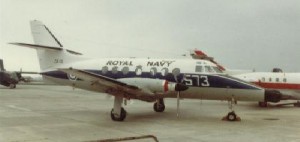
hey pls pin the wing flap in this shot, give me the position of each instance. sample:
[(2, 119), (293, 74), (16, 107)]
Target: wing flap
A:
[(89, 76), (110, 83)]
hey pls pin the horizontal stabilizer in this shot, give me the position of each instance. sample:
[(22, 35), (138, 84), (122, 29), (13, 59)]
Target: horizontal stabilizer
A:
[(35, 46)]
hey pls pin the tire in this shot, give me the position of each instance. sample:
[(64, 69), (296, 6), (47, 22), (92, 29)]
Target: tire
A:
[(231, 116), (122, 115), (159, 107), (12, 86)]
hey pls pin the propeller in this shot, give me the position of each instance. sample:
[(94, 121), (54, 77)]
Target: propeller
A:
[(178, 103), (179, 87)]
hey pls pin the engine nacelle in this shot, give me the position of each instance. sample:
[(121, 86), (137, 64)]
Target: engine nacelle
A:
[(156, 86), (272, 96)]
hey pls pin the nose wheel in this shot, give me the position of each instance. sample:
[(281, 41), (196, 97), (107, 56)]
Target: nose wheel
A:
[(231, 116)]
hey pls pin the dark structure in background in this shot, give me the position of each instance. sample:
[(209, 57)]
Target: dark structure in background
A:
[(11, 78), (7, 78)]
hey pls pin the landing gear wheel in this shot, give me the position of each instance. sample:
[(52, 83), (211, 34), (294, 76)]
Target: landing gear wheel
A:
[(116, 117), (159, 107), (231, 116), (12, 86)]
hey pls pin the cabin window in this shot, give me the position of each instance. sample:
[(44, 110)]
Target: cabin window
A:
[(138, 70), (263, 79), (284, 79), (277, 79), (208, 69), (104, 70), (125, 70), (164, 71), (176, 72), (114, 70), (270, 79), (199, 69), (153, 71)]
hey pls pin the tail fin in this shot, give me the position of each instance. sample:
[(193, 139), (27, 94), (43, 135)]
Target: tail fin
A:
[(42, 35), (50, 51), (1, 65)]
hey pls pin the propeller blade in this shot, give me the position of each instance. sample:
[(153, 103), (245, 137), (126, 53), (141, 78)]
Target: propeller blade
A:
[(178, 99)]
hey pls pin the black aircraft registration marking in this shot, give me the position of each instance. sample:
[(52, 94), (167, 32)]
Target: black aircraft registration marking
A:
[(119, 63), (162, 63), (159, 63)]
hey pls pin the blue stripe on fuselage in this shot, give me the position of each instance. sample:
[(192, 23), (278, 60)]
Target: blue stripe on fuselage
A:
[(215, 80)]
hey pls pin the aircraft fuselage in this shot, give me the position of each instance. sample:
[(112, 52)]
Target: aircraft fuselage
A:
[(201, 78)]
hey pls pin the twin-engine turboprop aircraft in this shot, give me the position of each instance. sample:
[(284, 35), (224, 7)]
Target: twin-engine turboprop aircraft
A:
[(149, 80)]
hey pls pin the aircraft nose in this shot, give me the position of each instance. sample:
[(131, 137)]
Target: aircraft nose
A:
[(272, 96)]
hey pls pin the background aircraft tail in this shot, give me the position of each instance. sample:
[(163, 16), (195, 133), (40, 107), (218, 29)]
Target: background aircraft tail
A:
[(1, 65), (198, 54), (50, 51)]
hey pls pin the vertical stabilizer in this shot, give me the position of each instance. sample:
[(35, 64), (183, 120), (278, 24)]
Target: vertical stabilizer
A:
[(49, 58), (50, 51), (42, 35)]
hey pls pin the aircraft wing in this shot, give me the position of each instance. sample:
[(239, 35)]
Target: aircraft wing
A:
[(110, 85)]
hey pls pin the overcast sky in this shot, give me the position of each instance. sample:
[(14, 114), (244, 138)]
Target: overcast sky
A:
[(251, 34)]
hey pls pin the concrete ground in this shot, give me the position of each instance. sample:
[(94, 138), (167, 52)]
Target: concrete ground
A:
[(40, 113)]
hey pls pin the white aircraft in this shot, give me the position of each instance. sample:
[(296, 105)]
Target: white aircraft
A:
[(287, 83), (149, 80)]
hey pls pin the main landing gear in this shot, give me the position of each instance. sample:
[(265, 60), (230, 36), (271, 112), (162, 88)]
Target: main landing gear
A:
[(118, 113), (231, 116), (159, 105)]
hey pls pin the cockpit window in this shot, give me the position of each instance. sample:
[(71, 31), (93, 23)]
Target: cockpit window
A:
[(217, 70), (199, 69), (208, 69)]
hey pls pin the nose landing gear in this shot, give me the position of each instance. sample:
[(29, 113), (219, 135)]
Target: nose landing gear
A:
[(231, 116)]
